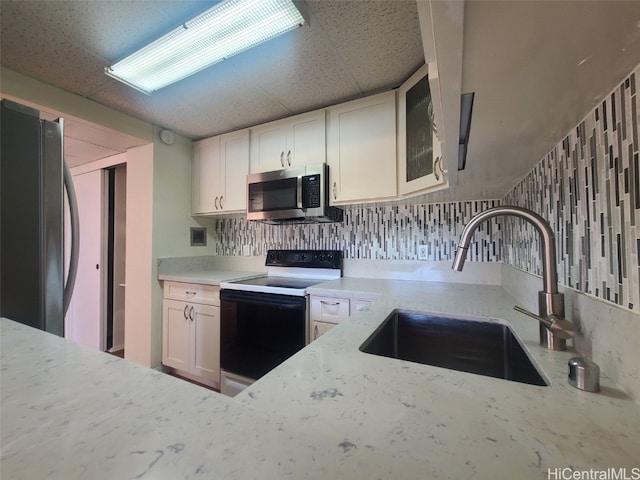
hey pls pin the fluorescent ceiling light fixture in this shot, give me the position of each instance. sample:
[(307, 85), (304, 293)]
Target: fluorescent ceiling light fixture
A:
[(230, 27)]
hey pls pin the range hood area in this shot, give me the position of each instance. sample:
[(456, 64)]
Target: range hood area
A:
[(330, 215)]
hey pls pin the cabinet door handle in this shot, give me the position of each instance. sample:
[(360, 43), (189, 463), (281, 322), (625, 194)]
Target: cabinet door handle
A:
[(215, 203), (191, 313), (436, 165), (315, 331), (335, 191), (221, 202), (331, 304), (289, 157), (282, 159), (185, 312), (299, 203)]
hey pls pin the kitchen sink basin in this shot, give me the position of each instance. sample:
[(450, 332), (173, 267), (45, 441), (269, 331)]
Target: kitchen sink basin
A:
[(479, 347)]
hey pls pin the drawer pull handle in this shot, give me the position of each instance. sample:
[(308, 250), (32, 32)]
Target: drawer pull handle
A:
[(190, 293), (331, 304)]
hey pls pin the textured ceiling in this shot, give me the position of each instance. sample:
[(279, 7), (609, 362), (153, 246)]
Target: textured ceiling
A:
[(537, 67), (349, 49)]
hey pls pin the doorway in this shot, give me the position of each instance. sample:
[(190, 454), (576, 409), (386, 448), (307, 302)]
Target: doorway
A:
[(96, 313), (116, 255)]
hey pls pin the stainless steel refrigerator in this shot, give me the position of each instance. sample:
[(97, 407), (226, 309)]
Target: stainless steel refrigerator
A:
[(33, 180)]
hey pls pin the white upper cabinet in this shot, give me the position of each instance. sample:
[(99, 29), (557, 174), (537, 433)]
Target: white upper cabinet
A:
[(293, 142), (361, 149), (234, 159), (220, 168), (205, 176), (420, 163), (441, 26)]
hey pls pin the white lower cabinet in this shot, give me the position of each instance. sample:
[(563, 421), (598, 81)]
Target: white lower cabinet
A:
[(320, 328), (191, 331), (327, 312)]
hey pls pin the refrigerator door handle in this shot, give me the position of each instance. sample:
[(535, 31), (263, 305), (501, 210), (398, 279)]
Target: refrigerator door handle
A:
[(75, 237)]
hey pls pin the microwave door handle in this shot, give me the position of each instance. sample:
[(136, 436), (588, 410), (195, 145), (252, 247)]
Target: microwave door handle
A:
[(299, 193)]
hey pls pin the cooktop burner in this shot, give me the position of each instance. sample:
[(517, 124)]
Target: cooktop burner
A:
[(281, 282), (291, 272)]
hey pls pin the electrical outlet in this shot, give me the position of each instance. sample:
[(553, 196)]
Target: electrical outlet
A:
[(422, 252)]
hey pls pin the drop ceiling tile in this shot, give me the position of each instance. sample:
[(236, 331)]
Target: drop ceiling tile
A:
[(30, 50), (298, 70), (109, 29), (381, 43), (203, 105), (78, 152)]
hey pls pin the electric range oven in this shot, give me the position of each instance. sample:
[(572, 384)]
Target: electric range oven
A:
[(265, 320)]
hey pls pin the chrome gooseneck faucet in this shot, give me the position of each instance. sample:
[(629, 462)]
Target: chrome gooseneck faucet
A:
[(554, 328)]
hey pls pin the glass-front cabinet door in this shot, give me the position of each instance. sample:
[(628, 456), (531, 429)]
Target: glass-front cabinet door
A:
[(420, 164)]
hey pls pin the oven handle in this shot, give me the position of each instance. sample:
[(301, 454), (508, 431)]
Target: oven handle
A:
[(258, 298)]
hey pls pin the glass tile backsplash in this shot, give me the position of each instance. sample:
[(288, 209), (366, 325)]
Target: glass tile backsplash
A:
[(588, 188), (381, 233)]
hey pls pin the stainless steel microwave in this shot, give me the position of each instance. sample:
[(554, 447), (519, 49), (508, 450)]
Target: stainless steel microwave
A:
[(293, 195)]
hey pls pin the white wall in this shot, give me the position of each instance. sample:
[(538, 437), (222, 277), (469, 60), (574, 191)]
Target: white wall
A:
[(172, 222), (139, 246)]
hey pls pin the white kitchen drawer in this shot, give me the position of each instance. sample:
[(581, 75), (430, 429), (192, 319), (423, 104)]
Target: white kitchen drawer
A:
[(329, 309), (359, 304), (192, 292)]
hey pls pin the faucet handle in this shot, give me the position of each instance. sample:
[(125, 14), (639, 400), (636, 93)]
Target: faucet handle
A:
[(560, 327)]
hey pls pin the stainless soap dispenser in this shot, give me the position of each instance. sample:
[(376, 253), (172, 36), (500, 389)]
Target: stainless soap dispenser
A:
[(584, 374)]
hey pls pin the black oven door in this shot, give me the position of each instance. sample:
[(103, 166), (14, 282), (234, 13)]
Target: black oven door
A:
[(258, 331)]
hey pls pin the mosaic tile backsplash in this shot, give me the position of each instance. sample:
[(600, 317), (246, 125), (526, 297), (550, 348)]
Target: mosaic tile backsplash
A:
[(588, 188), (382, 233)]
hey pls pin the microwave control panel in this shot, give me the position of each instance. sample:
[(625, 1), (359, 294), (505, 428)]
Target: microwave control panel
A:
[(311, 191)]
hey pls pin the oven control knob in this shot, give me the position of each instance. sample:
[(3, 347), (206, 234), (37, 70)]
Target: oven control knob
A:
[(321, 257)]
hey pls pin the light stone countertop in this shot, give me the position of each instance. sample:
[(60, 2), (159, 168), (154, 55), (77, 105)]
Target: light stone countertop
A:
[(330, 411), (206, 277)]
